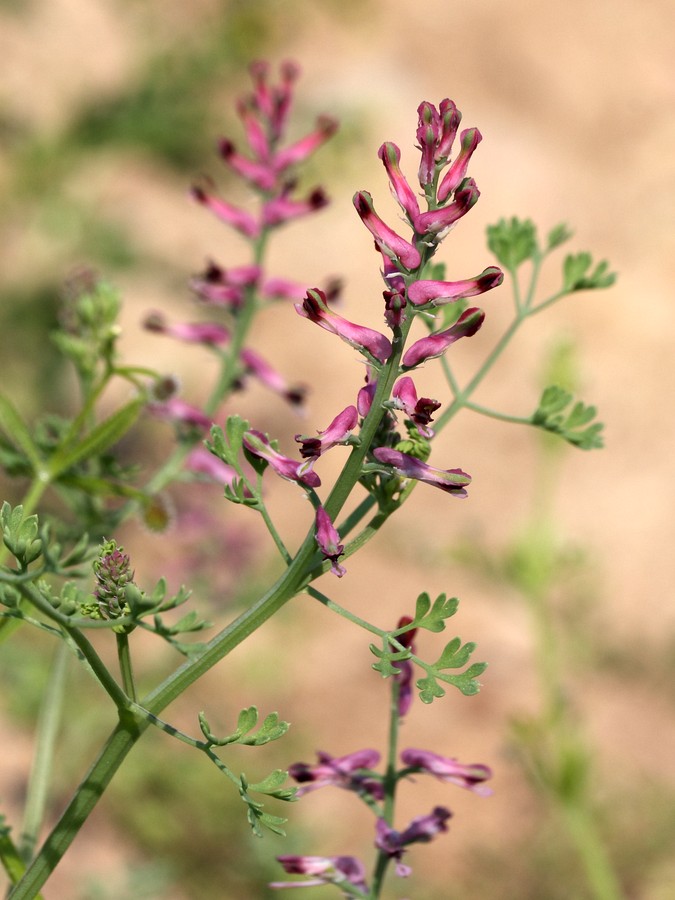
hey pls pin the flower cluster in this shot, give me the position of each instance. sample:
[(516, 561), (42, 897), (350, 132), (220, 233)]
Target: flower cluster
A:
[(356, 772), (113, 574), (267, 168), (389, 389)]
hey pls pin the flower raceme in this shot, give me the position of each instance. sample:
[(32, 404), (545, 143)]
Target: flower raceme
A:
[(266, 167)]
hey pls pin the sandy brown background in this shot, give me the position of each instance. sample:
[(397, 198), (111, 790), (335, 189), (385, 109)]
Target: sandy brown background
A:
[(575, 102)]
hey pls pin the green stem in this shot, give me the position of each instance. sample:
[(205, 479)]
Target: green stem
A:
[(462, 397), (493, 414), (112, 688), (126, 670), (47, 728), (599, 869), (390, 784)]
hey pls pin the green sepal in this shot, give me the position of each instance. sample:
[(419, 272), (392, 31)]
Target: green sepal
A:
[(578, 277), (553, 415)]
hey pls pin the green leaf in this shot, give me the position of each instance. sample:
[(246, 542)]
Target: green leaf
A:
[(227, 445), (513, 242), (15, 429), (387, 657), (557, 236), (270, 730), (577, 274), (432, 618), (272, 786), (553, 414), (102, 436), (20, 535), (455, 655)]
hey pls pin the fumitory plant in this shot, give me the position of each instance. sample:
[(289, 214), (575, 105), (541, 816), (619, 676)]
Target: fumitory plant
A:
[(64, 572)]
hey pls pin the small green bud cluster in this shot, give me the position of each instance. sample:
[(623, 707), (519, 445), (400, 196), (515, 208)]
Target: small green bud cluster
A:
[(113, 578)]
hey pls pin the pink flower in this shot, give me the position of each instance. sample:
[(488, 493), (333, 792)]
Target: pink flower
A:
[(337, 433), (328, 540), (438, 293), (436, 344), (201, 461), (300, 150), (285, 289), (282, 209), (390, 243), (470, 777), (401, 190), (436, 132), (176, 410), (405, 668), (438, 222), (452, 481), (258, 445), (260, 174), (239, 219), (419, 411), (421, 830), (208, 333), (366, 340), (272, 103), (325, 869), (224, 287), (267, 375), (470, 138), (339, 771)]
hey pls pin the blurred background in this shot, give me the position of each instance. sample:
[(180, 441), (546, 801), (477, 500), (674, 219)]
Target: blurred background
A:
[(109, 109)]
